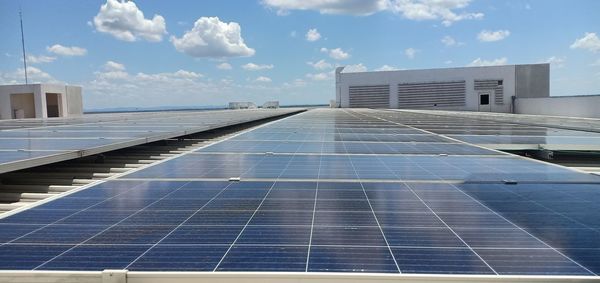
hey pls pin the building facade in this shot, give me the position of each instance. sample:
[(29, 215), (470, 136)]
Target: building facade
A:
[(40, 101), (486, 89)]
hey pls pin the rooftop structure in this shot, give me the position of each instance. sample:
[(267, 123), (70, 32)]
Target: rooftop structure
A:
[(398, 195), (485, 89), (40, 101)]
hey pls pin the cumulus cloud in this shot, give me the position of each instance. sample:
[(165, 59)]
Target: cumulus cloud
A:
[(556, 62), (448, 11), (348, 7), (337, 53), (387, 68), (313, 35), (124, 21), (262, 79), (34, 75), (224, 66), (444, 10), (324, 76), (320, 65), (66, 50), (40, 59), (589, 41), (450, 41), (355, 68), (490, 36), (494, 62), (113, 66), (410, 52), (212, 38), (257, 67)]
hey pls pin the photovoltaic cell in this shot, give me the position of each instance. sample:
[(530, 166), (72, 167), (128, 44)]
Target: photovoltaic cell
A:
[(329, 199)]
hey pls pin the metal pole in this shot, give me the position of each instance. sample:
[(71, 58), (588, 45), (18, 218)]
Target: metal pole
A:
[(23, 45)]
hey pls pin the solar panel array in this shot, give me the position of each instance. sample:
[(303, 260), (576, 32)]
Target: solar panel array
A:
[(27, 143), (324, 196), (497, 134)]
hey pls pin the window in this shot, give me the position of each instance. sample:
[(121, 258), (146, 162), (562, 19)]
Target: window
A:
[(500, 82), (484, 99)]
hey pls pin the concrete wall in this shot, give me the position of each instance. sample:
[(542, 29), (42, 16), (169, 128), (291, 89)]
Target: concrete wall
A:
[(532, 80), (587, 106), (68, 94), (74, 101), (468, 74)]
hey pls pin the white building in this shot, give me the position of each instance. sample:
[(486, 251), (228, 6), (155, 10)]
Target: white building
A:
[(242, 105), (271, 104), (489, 89), (40, 101)]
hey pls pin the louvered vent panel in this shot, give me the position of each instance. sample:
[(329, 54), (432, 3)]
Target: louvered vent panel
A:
[(499, 95), (491, 85), (432, 94), (371, 96)]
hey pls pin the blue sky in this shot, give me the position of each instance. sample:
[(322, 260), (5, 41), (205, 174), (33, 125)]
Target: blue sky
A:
[(192, 53)]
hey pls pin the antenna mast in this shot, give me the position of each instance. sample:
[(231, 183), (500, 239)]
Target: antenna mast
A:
[(23, 45)]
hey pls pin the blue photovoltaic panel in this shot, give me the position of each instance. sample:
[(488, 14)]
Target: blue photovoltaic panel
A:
[(344, 192), (26, 144), (493, 169), (340, 232)]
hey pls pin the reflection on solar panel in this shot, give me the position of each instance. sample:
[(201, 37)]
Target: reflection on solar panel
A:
[(323, 191), (25, 143), (496, 134)]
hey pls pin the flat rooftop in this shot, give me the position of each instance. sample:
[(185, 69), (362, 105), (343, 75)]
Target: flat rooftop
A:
[(323, 194)]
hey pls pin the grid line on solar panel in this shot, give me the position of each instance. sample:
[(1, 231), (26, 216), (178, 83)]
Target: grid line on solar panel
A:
[(429, 193), (103, 136), (369, 167), (247, 223)]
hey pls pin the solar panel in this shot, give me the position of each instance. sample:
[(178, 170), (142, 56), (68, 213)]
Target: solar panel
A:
[(320, 210), (26, 144)]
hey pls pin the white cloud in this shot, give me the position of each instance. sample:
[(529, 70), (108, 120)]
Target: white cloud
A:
[(125, 21), (349, 7), (490, 36), (495, 62), (448, 62), (597, 63), (324, 76), (355, 68), (34, 75), (40, 59), (411, 52), (256, 67), (224, 66), (313, 35), (589, 41), (113, 66), (444, 10), (212, 38), (450, 41), (262, 79), (66, 50), (556, 62), (387, 68), (320, 65), (295, 83), (337, 53)]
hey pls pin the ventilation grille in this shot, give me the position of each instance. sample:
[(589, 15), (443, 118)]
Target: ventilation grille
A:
[(492, 85), (499, 95), (433, 94), (372, 96)]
